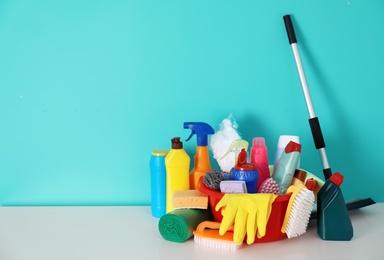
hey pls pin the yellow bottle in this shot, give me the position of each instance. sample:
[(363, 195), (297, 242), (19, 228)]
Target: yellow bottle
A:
[(177, 164)]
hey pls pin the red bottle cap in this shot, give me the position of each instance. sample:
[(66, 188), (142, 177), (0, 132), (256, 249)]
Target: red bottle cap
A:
[(242, 158), (292, 147), (337, 178), (311, 184)]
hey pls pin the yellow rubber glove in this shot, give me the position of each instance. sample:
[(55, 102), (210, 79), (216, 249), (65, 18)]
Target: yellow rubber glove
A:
[(247, 212)]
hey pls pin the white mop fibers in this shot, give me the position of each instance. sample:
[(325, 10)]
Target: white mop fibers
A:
[(221, 140)]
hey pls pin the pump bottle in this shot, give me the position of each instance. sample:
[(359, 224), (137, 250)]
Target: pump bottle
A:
[(202, 163), (177, 164)]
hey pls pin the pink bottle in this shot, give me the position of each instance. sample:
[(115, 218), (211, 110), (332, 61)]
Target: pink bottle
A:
[(259, 157)]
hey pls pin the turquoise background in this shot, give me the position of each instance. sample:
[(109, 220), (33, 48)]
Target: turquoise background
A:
[(89, 88)]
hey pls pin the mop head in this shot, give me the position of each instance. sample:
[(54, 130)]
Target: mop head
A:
[(220, 142)]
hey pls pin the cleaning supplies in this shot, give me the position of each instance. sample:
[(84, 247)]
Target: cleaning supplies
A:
[(177, 164), (236, 147), (202, 163), (298, 210), (231, 186), (213, 179), (244, 171), (299, 177), (283, 173), (179, 224), (333, 221), (207, 234), (190, 199), (158, 182), (269, 186), (259, 157), (281, 144), (249, 213), (221, 140)]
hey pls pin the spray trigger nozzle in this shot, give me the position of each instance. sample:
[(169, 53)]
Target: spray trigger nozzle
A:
[(201, 129), (235, 147), (193, 132)]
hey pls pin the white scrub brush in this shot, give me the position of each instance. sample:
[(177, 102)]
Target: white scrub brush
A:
[(299, 210)]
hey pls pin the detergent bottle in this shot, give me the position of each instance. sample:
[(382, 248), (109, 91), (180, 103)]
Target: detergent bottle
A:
[(158, 182), (259, 157), (244, 171), (177, 164), (202, 163), (286, 166), (333, 220)]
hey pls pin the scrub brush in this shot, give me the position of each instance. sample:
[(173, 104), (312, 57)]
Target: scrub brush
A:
[(207, 234), (299, 210)]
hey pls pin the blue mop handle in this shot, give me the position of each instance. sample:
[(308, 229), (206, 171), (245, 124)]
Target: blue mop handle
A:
[(313, 121)]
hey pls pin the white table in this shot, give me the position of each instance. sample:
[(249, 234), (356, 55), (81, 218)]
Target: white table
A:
[(130, 232)]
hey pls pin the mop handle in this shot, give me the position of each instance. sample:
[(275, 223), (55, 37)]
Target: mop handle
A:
[(313, 120)]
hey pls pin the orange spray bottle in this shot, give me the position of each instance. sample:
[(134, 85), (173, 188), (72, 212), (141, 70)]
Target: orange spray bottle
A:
[(202, 163)]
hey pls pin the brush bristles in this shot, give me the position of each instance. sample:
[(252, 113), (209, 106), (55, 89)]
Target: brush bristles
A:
[(213, 243), (300, 213)]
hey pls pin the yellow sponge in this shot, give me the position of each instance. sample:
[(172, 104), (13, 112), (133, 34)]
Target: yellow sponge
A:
[(190, 199)]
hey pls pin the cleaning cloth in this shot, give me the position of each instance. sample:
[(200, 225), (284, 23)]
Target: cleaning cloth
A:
[(179, 224)]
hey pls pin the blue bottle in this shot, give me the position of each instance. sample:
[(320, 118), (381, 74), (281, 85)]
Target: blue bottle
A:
[(247, 172), (158, 182)]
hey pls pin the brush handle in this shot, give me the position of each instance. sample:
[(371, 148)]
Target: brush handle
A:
[(313, 121), (289, 28)]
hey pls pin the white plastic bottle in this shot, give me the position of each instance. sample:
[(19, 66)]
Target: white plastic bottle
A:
[(285, 169), (282, 143)]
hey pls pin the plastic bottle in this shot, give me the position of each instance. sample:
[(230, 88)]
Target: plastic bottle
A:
[(333, 220), (177, 164), (283, 173), (158, 182), (282, 143), (247, 172), (259, 157), (202, 163)]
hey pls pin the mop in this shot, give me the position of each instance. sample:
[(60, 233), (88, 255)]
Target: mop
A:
[(333, 220)]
